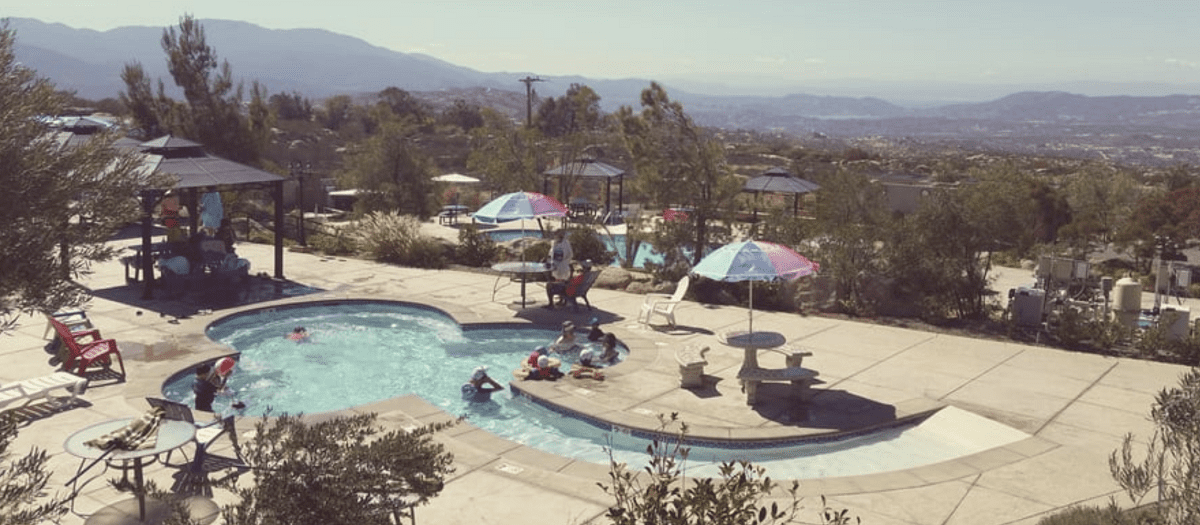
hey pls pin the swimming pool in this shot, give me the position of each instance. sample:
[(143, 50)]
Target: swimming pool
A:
[(615, 243), (365, 351)]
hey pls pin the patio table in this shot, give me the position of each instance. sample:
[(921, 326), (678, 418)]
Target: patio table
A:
[(171, 435), (752, 342), (521, 271)]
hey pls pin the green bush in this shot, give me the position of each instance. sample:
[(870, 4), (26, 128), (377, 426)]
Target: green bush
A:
[(587, 246), (395, 238), (475, 248), (333, 244), (1110, 515)]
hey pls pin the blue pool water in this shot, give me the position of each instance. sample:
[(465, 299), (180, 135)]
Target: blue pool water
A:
[(361, 352), (616, 243)]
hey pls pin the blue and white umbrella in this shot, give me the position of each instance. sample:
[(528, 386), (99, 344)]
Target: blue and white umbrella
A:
[(754, 261), (520, 206)]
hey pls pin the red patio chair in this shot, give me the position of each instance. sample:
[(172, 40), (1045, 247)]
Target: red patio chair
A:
[(85, 354)]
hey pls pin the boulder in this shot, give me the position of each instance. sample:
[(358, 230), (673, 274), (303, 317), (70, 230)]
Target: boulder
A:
[(614, 278)]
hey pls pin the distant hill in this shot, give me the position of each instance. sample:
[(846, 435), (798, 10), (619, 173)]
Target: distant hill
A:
[(319, 63)]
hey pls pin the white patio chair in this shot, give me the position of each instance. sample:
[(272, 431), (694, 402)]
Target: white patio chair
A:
[(663, 304)]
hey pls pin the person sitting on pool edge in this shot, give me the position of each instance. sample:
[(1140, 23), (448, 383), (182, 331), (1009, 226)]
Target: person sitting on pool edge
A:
[(480, 387)]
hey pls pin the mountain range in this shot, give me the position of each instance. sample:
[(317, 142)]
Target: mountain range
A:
[(318, 63)]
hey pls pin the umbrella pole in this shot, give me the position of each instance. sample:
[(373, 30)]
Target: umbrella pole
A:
[(751, 310)]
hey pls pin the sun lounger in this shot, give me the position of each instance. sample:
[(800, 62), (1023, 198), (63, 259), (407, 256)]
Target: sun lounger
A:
[(40, 387)]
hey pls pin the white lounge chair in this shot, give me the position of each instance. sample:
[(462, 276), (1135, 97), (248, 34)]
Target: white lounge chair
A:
[(40, 388), (663, 304)]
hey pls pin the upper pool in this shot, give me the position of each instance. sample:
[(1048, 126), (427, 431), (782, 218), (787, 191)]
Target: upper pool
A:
[(360, 352)]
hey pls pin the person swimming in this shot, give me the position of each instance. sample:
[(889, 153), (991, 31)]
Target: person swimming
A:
[(299, 334)]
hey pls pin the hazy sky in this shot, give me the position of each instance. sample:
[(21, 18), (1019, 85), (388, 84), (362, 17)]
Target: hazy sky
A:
[(741, 42)]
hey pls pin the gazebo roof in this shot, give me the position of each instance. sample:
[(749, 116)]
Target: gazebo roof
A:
[(194, 168), (586, 168)]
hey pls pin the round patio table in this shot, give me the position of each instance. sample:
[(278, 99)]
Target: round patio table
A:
[(751, 342), (172, 434), (521, 271)]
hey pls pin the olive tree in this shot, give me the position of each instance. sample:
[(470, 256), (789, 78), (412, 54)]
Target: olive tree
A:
[(60, 203), (344, 470), (1171, 465)]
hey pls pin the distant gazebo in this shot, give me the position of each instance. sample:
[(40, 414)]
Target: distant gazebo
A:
[(591, 168)]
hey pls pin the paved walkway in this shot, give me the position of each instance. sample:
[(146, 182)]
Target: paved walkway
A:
[(1075, 406)]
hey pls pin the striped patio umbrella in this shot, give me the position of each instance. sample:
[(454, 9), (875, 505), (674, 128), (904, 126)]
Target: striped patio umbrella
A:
[(519, 206), (754, 261)]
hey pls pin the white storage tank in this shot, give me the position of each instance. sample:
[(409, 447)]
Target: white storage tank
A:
[(1127, 301)]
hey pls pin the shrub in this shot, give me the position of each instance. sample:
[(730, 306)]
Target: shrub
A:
[(588, 246), (667, 497), (1171, 465), (24, 482), (395, 238), (337, 243), (342, 470), (1086, 516), (475, 248)]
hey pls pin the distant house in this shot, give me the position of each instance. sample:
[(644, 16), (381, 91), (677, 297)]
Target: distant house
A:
[(904, 192)]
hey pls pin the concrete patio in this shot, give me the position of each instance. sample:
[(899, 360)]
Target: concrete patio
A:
[(1075, 406)]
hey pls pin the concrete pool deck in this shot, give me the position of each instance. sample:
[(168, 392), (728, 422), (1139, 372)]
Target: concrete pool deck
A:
[(1076, 407)]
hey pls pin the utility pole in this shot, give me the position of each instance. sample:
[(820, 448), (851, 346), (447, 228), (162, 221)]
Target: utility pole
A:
[(528, 81)]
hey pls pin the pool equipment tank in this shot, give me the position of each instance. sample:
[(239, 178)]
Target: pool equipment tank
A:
[(1179, 319), (1027, 306), (1127, 302)]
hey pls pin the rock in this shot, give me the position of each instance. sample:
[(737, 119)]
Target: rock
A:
[(641, 287), (614, 278)]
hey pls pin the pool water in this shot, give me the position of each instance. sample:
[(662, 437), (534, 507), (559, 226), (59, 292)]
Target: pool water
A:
[(615, 243), (362, 352)]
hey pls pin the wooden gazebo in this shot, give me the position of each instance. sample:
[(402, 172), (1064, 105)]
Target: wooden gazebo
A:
[(196, 170)]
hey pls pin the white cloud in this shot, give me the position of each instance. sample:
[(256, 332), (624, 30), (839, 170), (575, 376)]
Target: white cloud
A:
[(770, 60), (814, 61)]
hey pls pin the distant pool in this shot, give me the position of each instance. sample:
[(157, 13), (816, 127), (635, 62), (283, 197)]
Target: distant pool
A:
[(614, 243)]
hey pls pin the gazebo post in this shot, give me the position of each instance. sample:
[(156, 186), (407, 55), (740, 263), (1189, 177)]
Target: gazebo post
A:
[(621, 194), (277, 194), (607, 195), (147, 263)]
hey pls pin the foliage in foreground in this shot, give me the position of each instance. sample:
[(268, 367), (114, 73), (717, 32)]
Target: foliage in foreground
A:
[(395, 238), (1093, 515), (340, 471), (1171, 465), (22, 483), (663, 495)]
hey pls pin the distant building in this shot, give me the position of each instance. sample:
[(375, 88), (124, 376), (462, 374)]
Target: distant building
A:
[(904, 192)]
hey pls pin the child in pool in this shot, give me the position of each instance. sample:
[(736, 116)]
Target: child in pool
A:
[(299, 334), (481, 386)]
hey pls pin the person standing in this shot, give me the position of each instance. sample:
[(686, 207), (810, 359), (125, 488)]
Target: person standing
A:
[(212, 211), (560, 266)]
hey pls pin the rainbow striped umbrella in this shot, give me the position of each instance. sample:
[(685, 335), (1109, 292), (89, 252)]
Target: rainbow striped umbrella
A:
[(518, 206), (754, 261)]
